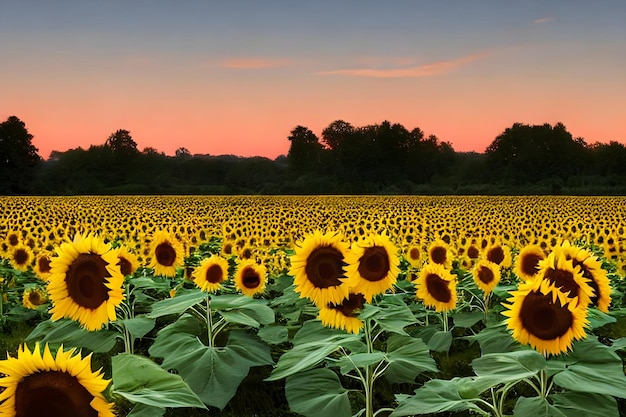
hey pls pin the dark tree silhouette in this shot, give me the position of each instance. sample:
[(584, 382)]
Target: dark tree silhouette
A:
[(305, 151), (122, 143), (18, 157), (336, 133)]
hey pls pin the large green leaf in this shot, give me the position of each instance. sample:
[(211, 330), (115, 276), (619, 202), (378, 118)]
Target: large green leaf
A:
[(317, 393), (140, 380), (143, 410), (391, 313), (592, 367), (468, 318), (436, 396), (214, 373), (274, 334), (585, 404), (494, 339), (358, 360), (177, 305), (440, 341), (139, 326), (312, 344), (243, 309), (70, 333), (536, 407), (408, 357)]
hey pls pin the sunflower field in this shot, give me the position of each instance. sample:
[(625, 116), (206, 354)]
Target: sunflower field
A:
[(314, 306)]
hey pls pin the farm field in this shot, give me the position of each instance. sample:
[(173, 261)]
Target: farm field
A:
[(312, 305)]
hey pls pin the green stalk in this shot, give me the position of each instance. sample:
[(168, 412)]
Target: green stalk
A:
[(209, 321), (445, 320), (369, 378)]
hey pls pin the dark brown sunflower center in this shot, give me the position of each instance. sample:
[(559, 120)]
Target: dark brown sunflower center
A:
[(439, 254), (414, 254), (165, 254), (21, 256), (351, 306), (126, 268), (473, 252), (228, 249), (52, 394), (374, 264), (34, 297), (13, 239), (485, 275), (438, 288), (85, 279), (544, 319), (530, 263), (324, 267), (250, 278), (495, 255), (246, 253), (563, 280), (214, 274), (44, 264)]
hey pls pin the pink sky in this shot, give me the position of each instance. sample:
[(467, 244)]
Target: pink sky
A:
[(241, 91)]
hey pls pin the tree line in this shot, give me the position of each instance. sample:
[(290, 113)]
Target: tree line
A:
[(384, 158)]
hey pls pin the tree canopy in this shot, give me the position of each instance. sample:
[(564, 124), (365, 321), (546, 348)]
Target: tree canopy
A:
[(18, 157)]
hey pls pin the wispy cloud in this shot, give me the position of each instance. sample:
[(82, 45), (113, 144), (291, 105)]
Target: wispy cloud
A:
[(425, 70), (254, 63), (544, 19)]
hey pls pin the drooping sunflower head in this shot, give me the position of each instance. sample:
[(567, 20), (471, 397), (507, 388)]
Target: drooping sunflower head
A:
[(439, 252), (486, 275), (527, 260), (436, 286), (250, 277), (547, 324), (85, 282), (211, 273), (499, 254), (127, 261), (373, 265), (559, 277), (344, 316), (21, 256), (33, 298), (167, 253), (43, 384), (318, 268)]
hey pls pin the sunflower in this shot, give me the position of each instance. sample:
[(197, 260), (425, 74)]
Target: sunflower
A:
[(167, 254), (318, 268), (439, 252), (250, 278), (211, 272), (544, 322), (85, 283), (372, 266), (527, 260), (559, 277), (343, 316), (486, 275), (62, 385), (127, 261), (20, 256), (436, 286), (499, 254), (42, 265), (33, 297), (414, 255)]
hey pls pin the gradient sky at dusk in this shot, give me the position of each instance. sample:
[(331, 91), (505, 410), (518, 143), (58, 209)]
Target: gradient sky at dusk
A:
[(235, 77)]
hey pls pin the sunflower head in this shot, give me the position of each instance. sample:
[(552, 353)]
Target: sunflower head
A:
[(499, 254), (544, 322), (167, 253), (559, 277), (127, 261), (436, 286), (250, 278), (596, 277), (85, 282), (373, 266), (43, 266), (318, 268), (415, 255), (439, 252), (211, 273), (527, 262), (486, 275), (33, 298), (21, 256), (344, 316), (43, 384)]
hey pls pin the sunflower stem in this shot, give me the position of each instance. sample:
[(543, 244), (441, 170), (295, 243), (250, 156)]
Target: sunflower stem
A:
[(209, 321), (369, 374), (444, 319)]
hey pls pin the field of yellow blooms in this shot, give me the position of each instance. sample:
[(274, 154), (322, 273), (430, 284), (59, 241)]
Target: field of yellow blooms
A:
[(312, 306)]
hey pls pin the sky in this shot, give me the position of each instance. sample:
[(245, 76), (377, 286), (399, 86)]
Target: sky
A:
[(235, 77)]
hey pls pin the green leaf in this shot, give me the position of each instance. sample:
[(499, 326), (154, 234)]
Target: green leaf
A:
[(243, 309), (139, 326), (585, 404), (536, 407), (140, 380), (358, 360), (598, 319), (177, 305), (274, 335), (143, 410), (392, 314), (592, 367), (214, 373), (312, 344), (440, 341), (239, 317), (70, 333), (317, 393), (467, 319), (408, 357), (494, 339), (436, 396)]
